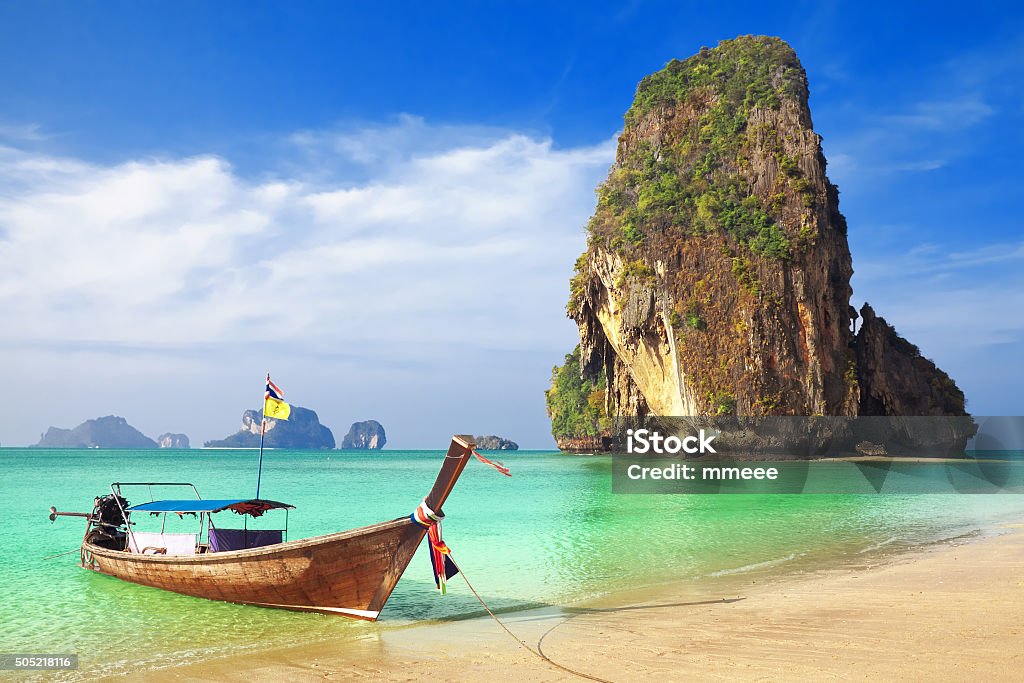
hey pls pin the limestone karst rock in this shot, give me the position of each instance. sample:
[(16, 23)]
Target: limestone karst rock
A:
[(716, 279)]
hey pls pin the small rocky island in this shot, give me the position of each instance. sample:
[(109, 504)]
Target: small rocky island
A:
[(367, 435), (170, 440), (495, 443), (302, 430), (111, 431)]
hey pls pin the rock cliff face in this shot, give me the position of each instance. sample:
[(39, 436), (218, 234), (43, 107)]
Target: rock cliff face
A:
[(103, 432), (302, 430), (495, 443), (895, 379), (716, 279), (170, 440), (368, 435)]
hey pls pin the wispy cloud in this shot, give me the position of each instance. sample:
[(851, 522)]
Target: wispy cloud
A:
[(956, 114), (26, 132), (937, 260), (378, 145), (927, 124), (921, 137)]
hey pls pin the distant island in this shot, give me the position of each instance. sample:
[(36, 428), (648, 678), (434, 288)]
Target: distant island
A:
[(366, 435), (302, 430), (111, 431), (170, 440), (495, 443)]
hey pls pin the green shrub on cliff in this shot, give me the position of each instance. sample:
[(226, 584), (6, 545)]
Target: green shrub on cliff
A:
[(770, 242), (576, 404), (723, 403), (578, 283), (748, 72), (695, 322), (635, 270)]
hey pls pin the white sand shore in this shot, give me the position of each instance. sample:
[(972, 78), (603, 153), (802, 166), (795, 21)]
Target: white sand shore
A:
[(951, 613)]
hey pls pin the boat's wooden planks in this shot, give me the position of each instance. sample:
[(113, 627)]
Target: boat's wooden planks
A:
[(347, 572)]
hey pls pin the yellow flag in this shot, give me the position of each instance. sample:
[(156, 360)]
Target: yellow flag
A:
[(279, 410)]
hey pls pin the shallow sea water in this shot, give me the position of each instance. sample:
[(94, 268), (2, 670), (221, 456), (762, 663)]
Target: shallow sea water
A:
[(552, 534)]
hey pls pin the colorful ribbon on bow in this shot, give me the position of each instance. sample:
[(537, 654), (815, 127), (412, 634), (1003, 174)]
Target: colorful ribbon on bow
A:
[(496, 465), (441, 562), (440, 554)]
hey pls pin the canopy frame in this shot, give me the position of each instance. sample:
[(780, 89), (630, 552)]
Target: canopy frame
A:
[(200, 507), (244, 506)]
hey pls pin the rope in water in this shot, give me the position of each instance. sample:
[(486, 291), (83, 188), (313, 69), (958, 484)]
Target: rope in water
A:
[(63, 554), (535, 653)]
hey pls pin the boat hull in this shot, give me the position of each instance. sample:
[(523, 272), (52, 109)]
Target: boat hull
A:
[(351, 573)]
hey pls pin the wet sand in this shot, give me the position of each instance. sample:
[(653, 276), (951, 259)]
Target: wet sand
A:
[(949, 612)]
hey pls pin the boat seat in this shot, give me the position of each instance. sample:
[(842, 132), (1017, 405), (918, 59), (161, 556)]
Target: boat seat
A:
[(222, 540), (155, 543)]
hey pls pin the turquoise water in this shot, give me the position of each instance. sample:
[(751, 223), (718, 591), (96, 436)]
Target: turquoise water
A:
[(551, 534)]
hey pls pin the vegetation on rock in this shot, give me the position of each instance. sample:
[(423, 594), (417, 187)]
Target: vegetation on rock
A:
[(691, 181), (171, 440), (576, 404), (682, 189), (748, 72)]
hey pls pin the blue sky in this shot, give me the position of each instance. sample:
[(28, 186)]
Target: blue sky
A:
[(381, 202)]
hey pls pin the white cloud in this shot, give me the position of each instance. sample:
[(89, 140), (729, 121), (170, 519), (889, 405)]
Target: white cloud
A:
[(445, 241)]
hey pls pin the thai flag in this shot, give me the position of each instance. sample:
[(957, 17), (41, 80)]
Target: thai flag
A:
[(273, 391)]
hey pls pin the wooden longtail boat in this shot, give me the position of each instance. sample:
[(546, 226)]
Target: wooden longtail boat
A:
[(350, 573)]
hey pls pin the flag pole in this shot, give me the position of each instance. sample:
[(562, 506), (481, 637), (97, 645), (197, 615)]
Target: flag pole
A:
[(263, 431)]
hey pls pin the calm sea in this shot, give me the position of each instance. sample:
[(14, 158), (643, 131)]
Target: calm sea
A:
[(551, 534)]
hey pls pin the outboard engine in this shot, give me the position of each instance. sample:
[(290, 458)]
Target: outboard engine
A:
[(108, 523), (107, 510)]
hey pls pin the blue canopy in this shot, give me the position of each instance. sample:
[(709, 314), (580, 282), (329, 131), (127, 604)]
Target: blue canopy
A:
[(243, 506)]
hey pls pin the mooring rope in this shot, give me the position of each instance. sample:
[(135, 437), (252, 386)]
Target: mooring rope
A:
[(51, 557), (535, 653)]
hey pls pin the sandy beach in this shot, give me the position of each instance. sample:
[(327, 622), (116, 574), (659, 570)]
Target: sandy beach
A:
[(948, 612)]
